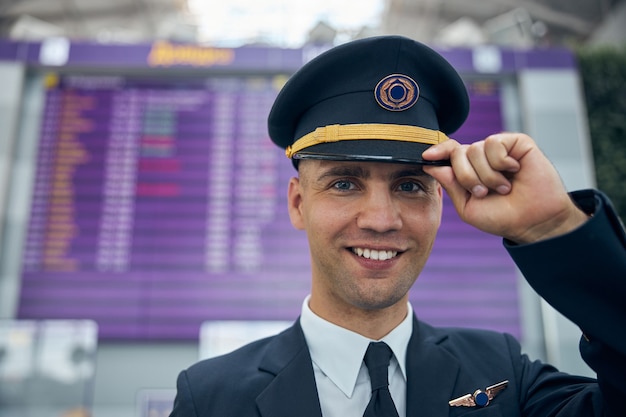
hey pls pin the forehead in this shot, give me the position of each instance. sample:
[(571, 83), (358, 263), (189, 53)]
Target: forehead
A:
[(319, 169)]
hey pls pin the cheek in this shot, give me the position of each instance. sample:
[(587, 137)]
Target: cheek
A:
[(426, 220), (324, 221), (436, 218), (318, 220)]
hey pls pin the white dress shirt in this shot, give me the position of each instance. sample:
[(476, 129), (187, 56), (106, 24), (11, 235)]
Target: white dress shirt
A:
[(343, 383)]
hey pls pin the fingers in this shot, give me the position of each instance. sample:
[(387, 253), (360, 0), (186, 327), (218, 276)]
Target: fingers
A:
[(441, 151), (505, 150), (477, 169), (484, 166), (505, 185)]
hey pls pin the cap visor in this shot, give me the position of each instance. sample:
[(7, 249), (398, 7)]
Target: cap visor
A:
[(370, 150)]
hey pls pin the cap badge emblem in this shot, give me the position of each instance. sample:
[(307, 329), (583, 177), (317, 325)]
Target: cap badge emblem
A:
[(397, 92)]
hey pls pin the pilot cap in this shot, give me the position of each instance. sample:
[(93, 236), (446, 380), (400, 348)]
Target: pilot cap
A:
[(384, 98)]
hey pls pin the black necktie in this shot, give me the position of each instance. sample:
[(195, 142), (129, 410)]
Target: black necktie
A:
[(377, 361)]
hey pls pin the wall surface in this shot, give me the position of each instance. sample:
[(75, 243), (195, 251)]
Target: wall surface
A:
[(554, 115)]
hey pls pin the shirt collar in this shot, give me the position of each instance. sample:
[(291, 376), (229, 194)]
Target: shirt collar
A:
[(339, 352)]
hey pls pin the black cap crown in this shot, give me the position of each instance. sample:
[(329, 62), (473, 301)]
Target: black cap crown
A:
[(385, 98)]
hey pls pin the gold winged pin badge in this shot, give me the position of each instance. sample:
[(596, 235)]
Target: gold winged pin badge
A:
[(479, 398)]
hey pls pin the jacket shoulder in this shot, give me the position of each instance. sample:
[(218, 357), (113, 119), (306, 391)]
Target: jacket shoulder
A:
[(473, 344), (241, 361)]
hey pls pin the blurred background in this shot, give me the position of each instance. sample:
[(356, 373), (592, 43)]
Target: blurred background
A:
[(142, 217), (293, 23)]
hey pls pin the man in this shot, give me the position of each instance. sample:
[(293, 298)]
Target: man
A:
[(365, 124)]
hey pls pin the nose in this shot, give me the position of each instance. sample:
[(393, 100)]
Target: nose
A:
[(379, 212)]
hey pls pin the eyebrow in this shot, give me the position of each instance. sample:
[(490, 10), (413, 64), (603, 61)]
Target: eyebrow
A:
[(413, 172), (358, 171), (344, 171)]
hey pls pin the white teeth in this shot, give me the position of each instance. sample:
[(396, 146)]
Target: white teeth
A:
[(377, 255)]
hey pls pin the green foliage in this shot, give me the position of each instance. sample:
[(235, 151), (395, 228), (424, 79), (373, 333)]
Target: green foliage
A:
[(603, 72)]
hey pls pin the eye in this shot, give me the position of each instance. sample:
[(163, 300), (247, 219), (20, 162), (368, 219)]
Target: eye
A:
[(410, 186), (343, 185)]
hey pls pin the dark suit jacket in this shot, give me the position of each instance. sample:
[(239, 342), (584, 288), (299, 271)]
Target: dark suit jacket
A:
[(274, 376)]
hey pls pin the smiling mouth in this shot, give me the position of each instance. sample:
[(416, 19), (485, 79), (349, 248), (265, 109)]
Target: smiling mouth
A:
[(376, 255)]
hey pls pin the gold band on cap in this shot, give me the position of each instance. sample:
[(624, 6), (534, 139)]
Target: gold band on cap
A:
[(365, 131)]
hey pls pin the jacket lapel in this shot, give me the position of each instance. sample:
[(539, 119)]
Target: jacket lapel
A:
[(431, 373), (292, 392)]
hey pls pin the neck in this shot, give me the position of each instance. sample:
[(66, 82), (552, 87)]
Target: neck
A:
[(371, 323)]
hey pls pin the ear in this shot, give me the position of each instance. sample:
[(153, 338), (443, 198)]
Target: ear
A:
[(440, 194), (294, 202)]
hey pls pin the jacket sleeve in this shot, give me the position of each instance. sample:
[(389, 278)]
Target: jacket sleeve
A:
[(183, 403), (583, 275)]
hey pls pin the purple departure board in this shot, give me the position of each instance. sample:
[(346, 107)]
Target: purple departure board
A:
[(160, 203)]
